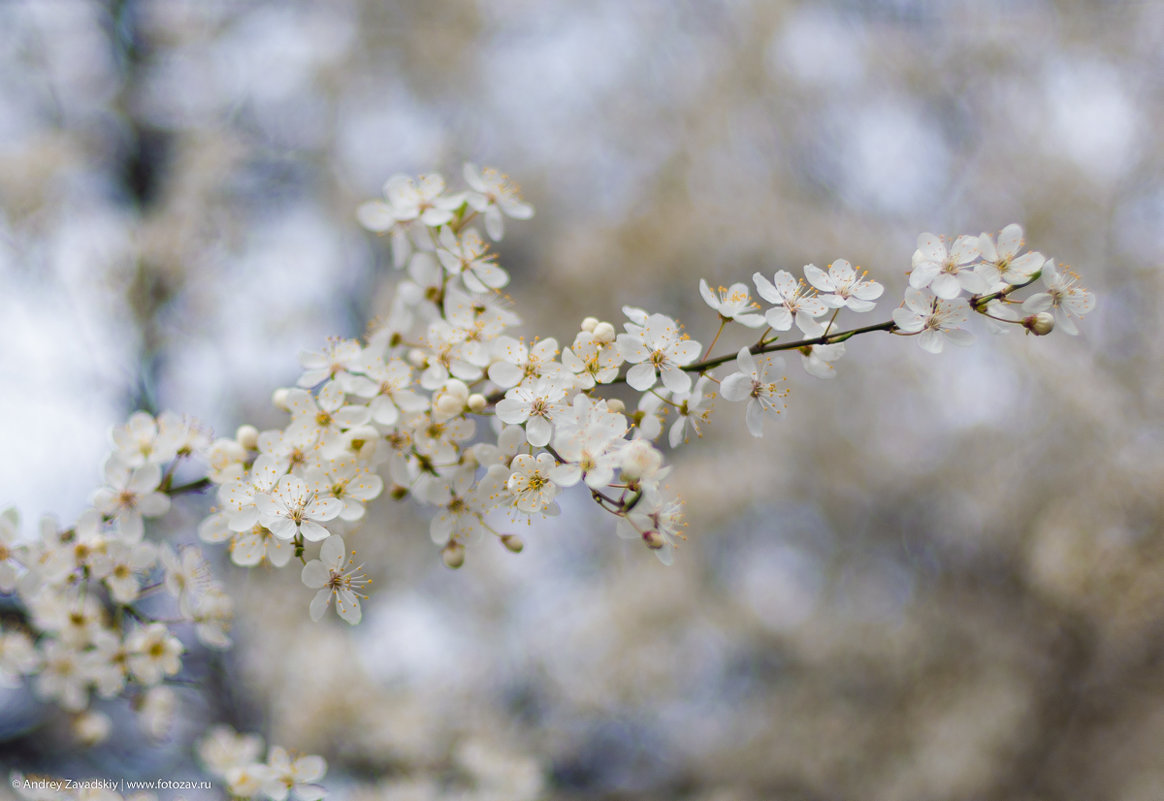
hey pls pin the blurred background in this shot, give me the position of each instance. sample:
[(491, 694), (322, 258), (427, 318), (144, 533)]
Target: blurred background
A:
[(938, 577)]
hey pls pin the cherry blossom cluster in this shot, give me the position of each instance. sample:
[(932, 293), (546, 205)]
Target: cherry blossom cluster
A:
[(237, 760), (442, 404), (979, 274), (89, 624), (234, 759), (92, 620)]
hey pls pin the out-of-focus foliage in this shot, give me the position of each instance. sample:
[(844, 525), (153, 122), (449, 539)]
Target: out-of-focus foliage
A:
[(939, 577)]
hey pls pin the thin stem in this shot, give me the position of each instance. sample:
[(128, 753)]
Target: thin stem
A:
[(977, 303), (193, 486), (722, 322), (825, 339)]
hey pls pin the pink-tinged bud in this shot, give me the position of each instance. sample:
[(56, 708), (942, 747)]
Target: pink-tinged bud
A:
[(653, 540), (1040, 324), (453, 555), (512, 542), (477, 403), (588, 324), (248, 437)]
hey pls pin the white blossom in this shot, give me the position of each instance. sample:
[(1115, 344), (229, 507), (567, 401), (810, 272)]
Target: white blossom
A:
[(1004, 260), (336, 577), (656, 519), (1063, 297), (494, 194), (843, 287), (335, 362), (752, 383), (946, 273), (794, 301), (139, 441), (153, 653), (934, 320), (659, 351), (294, 510), (534, 406), (818, 359), (732, 303), (295, 777), (591, 361), (467, 256), (692, 410), (530, 484), (130, 494), (515, 363)]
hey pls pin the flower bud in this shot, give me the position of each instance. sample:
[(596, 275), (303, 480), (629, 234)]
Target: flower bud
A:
[(589, 323), (417, 358), (92, 727), (615, 405), (247, 436), (477, 402), (450, 400), (604, 333), (446, 406), (279, 399), (1040, 324), (457, 388), (653, 539), (512, 542), (453, 555)]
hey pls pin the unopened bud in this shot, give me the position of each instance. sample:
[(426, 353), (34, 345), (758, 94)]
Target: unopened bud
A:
[(398, 492), (653, 540), (92, 728), (279, 398), (589, 323), (615, 405), (417, 358), (604, 333), (247, 436), (453, 555), (448, 405), (457, 388), (1040, 324), (477, 402), (512, 542)]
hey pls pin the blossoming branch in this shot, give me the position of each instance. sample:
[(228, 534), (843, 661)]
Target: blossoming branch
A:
[(440, 403)]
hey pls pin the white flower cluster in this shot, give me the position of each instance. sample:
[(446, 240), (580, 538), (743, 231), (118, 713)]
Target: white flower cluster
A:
[(81, 630), (979, 273), (442, 404), (237, 760)]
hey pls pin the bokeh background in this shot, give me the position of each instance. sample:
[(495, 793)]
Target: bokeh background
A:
[(936, 578)]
